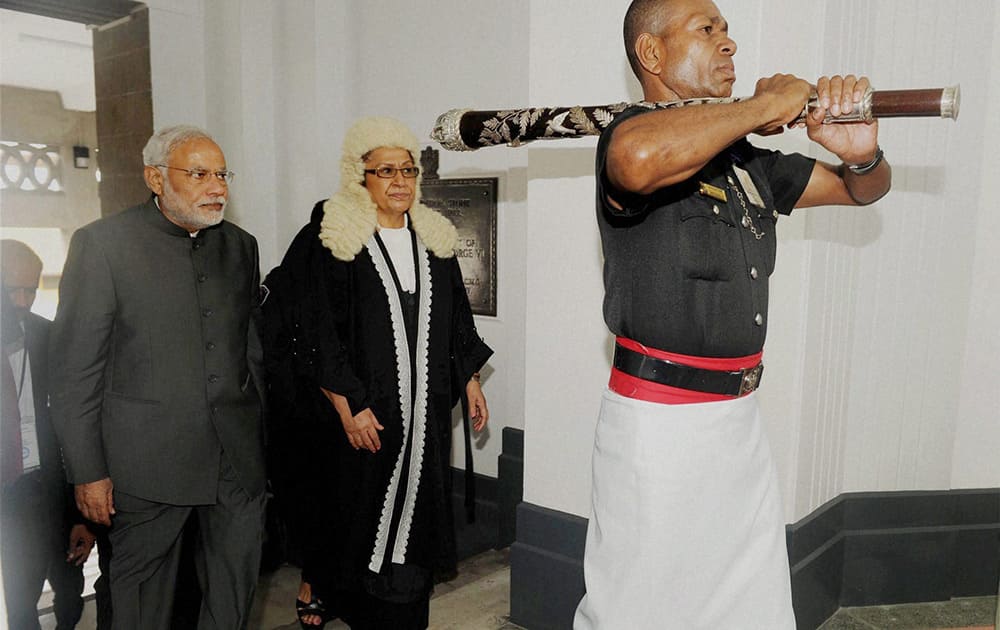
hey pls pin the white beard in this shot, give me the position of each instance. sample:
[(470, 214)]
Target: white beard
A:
[(193, 217)]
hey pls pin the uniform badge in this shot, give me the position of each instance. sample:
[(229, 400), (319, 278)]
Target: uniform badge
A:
[(746, 182), (712, 191)]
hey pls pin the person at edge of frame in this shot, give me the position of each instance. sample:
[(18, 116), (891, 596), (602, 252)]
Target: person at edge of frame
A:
[(42, 534), (687, 530)]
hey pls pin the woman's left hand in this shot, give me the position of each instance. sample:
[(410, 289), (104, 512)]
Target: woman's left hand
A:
[(477, 404)]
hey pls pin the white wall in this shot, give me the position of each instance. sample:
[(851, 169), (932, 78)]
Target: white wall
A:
[(975, 462), (880, 364), (177, 62), (890, 287), (567, 343)]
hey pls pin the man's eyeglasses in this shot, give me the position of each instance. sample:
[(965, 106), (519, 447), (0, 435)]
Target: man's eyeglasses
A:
[(200, 175), (388, 172)]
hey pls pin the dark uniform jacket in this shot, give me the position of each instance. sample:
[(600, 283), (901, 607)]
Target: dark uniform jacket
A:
[(686, 267)]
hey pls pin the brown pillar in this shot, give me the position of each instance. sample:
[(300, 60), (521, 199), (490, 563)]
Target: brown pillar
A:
[(124, 109)]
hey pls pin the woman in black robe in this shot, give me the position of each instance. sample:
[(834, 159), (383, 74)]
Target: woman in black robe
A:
[(370, 316)]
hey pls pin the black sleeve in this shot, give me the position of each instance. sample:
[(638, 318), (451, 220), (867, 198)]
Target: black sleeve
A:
[(788, 176), (308, 302), (79, 342), (255, 348), (632, 204), (332, 310), (469, 352)]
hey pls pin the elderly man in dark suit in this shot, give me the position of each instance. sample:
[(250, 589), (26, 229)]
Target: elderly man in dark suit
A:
[(42, 535), (156, 358)]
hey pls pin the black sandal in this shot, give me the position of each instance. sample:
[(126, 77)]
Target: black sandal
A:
[(312, 607)]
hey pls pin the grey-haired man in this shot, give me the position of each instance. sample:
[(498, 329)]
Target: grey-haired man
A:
[(155, 400)]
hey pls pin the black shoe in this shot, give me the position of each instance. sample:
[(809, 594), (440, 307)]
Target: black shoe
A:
[(313, 607)]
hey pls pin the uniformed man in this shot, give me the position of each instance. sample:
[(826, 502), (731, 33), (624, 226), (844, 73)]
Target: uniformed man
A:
[(687, 527)]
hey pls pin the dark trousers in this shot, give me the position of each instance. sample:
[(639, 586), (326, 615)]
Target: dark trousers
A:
[(33, 541), (102, 587), (147, 538)]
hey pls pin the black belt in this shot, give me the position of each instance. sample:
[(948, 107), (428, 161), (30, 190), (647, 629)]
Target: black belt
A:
[(664, 372)]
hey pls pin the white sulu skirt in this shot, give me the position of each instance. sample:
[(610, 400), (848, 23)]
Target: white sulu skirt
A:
[(687, 529)]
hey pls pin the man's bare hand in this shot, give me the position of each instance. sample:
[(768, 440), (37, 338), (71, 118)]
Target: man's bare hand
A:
[(854, 143), (95, 500), (81, 541), (786, 96)]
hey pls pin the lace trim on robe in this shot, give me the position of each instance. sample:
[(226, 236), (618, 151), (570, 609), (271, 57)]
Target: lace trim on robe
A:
[(417, 415)]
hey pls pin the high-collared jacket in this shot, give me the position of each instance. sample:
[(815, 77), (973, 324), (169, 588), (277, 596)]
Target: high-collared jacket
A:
[(155, 357)]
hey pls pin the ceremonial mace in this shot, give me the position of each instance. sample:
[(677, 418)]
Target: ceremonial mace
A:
[(468, 130)]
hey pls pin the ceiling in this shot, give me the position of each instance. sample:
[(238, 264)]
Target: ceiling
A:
[(94, 12)]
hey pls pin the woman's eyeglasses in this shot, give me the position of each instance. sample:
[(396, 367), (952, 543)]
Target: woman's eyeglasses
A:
[(388, 172)]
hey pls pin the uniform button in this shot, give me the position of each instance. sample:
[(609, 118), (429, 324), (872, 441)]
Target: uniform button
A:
[(746, 221), (202, 277), (215, 409), (210, 345), (775, 214), (758, 319), (207, 312), (213, 378), (197, 245), (715, 210), (753, 272)]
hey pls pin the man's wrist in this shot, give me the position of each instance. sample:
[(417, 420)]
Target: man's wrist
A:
[(867, 167)]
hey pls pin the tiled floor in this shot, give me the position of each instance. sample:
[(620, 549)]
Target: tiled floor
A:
[(967, 613), (478, 599)]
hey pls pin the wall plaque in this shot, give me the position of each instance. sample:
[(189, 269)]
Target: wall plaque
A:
[(471, 204)]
